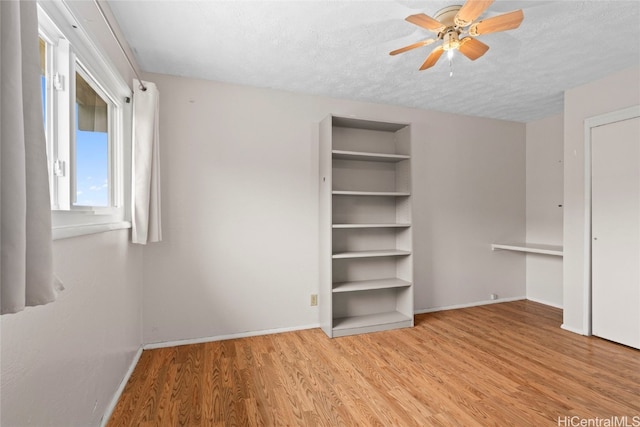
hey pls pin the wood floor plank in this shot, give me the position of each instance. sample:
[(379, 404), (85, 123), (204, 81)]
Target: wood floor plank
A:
[(501, 364)]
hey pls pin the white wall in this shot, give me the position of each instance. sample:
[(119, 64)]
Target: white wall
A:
[(469, 192), (544, 212), (614, 92), (62, 362), (240, 208)]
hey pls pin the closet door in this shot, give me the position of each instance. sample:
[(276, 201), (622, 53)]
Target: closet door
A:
[(615, 184)]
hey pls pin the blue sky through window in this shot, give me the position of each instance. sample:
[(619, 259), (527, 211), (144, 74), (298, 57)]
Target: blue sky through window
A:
[(92, 167)]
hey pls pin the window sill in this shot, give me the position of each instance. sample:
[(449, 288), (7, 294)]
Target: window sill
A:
[(67, 231)]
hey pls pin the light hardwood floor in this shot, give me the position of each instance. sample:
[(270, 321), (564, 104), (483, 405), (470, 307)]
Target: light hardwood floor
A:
[(502, 364)]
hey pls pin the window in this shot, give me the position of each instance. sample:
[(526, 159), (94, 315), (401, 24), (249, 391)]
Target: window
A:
[(85, 114), (91, 172)]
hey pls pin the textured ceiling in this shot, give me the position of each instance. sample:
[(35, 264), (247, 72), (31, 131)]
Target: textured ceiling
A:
[(340, 49)]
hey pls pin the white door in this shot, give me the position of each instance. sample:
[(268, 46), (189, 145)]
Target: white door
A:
[(615, 225)]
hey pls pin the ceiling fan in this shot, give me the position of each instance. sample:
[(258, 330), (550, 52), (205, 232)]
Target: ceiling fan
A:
[(455, 27)]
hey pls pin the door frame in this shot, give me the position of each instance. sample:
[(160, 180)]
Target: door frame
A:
[(590, 123)]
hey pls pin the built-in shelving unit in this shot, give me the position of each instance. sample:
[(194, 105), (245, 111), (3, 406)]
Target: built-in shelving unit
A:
[(530, 248), (365, 239)]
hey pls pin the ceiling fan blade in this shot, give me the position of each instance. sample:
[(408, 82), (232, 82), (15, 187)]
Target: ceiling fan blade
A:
[(470, 11), (508, 21), (432, 58), (425, 21), (412, 46), (472, 48)]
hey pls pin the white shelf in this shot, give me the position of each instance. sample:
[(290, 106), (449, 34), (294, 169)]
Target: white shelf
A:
[(367, 285), (375, 157), (370, 254), (353, 123), (369, 323), (370, 193), (530, 247), (371, 225)]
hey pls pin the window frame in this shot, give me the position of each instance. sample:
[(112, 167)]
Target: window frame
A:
[(69, 48)]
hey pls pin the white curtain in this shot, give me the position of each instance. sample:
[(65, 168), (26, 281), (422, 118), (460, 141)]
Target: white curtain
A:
[(146, 165), (26, 262)]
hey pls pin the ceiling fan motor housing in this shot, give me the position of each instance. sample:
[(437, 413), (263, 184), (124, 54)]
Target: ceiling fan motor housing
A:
[(450, 31), (450, 39), (447, 15)]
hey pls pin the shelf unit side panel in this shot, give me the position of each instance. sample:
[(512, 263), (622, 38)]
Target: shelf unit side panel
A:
[(403, 239), (403, 210), (402, 176), (325, 288), (403, 141), (404, 268), (404, 213), (404, 302)]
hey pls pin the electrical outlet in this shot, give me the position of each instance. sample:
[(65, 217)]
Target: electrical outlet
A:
[(494, 296), (314, 299)]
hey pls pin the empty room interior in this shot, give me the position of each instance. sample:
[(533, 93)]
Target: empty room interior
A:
[(326, 213)]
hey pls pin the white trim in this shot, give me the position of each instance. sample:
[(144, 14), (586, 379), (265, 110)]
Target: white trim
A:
[(67, 231), (120, 389), (165, 344), (572, 329), (94, 58), (586, 268), (541, 301), (590, 123), (468, 305)]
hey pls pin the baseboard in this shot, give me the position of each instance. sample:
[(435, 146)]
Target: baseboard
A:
[(541, 301), (118, 393), (468, 305), (165, 344), (572, 329)]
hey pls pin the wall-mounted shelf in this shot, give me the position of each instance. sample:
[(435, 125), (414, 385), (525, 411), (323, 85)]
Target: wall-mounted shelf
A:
[(533, 248)]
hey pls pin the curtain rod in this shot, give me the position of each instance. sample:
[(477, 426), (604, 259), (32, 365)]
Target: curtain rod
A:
[(124, 52)]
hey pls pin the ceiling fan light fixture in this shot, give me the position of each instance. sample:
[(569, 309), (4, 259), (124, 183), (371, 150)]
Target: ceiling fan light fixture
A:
[(450, 40)]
